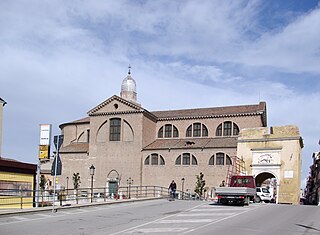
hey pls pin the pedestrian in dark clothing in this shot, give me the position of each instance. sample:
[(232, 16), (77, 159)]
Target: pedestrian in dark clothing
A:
[(223, 183), (173, 188)]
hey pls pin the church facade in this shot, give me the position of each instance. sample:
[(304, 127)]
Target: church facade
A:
[(125, 141)]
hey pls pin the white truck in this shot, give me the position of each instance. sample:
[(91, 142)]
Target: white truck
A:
[(241, 191)]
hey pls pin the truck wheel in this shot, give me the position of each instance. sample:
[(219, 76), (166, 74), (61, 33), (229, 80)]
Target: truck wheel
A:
[(258, 199), (247, 201)]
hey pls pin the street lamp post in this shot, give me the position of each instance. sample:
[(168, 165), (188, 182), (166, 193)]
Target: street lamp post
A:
[(92, 168), (67, 185), (129, 182), (182, 186)]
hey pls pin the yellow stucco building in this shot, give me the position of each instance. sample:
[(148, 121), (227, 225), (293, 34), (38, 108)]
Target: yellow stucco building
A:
[(276, 154)]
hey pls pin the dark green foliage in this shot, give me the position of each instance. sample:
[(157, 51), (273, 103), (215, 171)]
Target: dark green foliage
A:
[(76, 180), (200, 184), (42, 182)]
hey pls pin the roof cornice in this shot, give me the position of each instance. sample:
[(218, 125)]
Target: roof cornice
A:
[(116, 113), (114, 97), (210, 116)]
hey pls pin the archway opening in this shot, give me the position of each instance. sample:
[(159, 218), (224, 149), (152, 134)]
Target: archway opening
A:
[(269, 181), (113, 182), (263, 179)]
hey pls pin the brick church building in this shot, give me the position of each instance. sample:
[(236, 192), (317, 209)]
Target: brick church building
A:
[(124, 140)]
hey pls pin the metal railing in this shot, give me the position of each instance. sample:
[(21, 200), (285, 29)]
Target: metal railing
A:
[(13, 199)]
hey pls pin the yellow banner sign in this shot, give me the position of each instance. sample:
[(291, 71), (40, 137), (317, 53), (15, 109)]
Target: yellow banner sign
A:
[(44, 152)]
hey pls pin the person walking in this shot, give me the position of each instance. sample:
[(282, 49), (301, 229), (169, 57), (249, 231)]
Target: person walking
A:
[(173, 188)]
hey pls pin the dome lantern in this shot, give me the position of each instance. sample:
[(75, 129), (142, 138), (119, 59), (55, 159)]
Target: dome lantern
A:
[(128, 88)]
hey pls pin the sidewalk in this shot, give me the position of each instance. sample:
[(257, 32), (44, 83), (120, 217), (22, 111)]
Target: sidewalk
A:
[(8, 212)]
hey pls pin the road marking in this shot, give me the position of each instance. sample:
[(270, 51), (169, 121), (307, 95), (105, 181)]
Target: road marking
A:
[(21, 219), (153, 221), (217, 221), (184, 221), (157, 230), (213, 210), (207, 214)]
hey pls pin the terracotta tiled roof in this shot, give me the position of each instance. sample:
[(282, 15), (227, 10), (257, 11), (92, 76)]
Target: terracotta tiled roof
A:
[(85, 120), (75, 148), (214, 111), (257, 109), (221, 142)]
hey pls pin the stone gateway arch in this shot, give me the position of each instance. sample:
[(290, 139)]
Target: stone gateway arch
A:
[(275, 155)]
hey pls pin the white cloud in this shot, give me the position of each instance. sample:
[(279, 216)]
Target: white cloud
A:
[(296, 48)]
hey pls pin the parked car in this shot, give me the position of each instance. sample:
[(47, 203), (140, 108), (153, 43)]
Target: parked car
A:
[(263, 194)]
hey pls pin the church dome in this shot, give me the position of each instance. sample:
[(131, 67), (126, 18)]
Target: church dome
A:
[(128, 84), (129, 88)]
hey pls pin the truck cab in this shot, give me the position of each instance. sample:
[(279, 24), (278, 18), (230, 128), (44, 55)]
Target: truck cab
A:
[(242, 181)]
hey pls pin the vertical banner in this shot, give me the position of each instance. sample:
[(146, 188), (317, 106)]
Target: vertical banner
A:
[(44, 151), (45, 140)]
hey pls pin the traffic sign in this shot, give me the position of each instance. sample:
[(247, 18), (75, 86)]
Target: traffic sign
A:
[(57, 165), (58, 140)]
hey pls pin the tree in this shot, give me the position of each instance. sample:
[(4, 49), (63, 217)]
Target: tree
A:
[(42, 183), (76, 180), (76, 183), (42, 186), (200, 184)]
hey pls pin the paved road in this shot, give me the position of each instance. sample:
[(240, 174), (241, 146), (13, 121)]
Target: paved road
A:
[(165, 217)]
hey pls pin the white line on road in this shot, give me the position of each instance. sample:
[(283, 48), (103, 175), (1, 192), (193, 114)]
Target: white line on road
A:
[(207, 214), (224, 209), (217, 221), (175, 221), (23, 219), (153, 221), (157, 230)]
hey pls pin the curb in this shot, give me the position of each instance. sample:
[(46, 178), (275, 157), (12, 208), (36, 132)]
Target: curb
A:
[(9, 212)]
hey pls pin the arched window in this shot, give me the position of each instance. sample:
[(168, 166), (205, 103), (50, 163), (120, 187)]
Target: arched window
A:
[(194, 160), (168, 131), (160, 132), (197, 130), (222, 159), (147, 161), (178, 160), (227, 128), (115, 129), (211, 161), (189, 131), (154, 159), (204, 131), (186, 159), (219, 130), (175, 132), (235, 129), (228, 160)]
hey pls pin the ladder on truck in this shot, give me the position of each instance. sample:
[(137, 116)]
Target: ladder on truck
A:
[(237, 167)]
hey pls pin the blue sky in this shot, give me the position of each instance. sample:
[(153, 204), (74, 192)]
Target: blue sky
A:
[(58, 59)]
